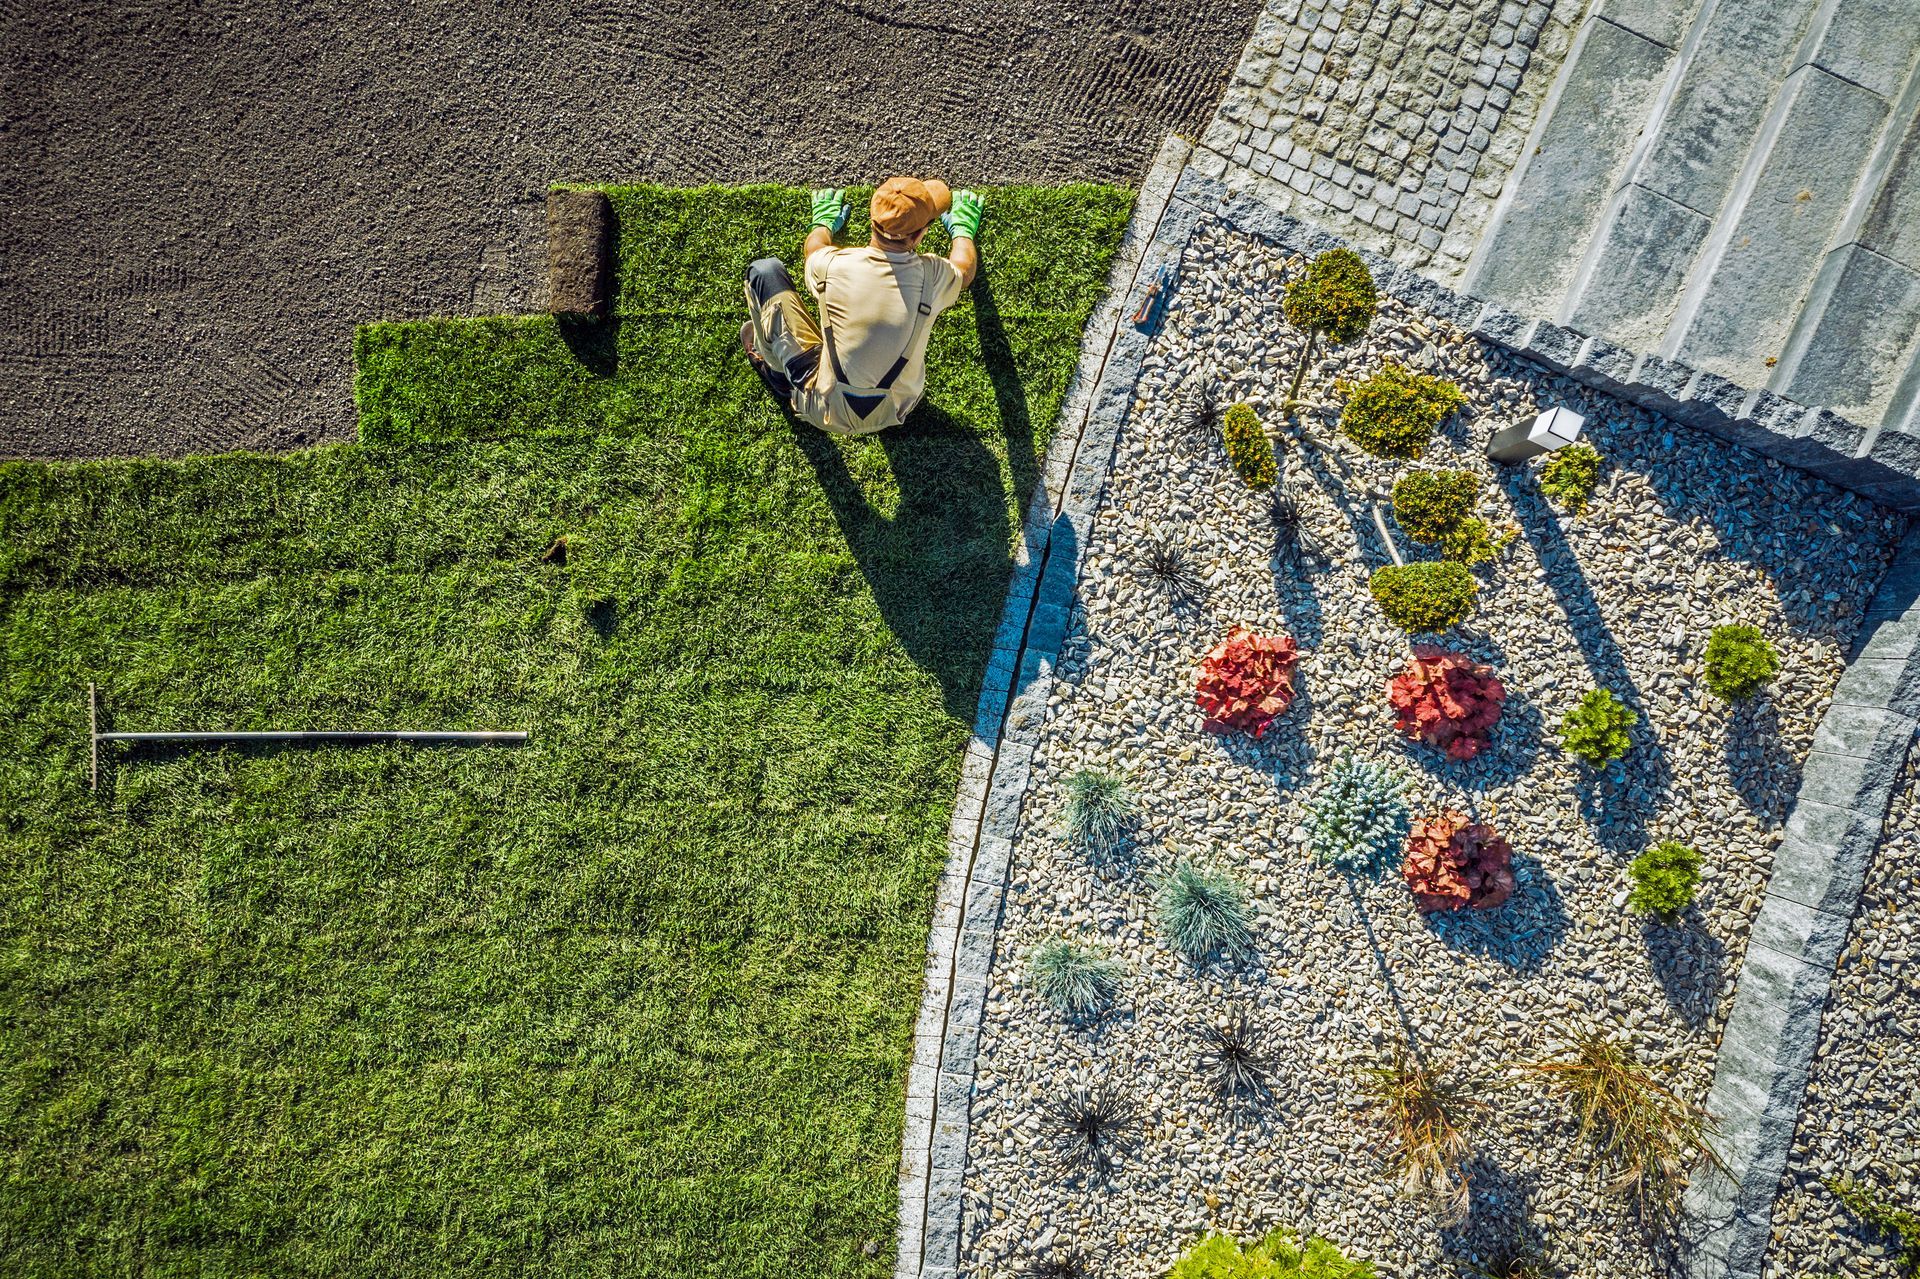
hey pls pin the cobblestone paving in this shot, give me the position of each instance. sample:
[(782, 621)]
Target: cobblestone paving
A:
[(1391, 122)]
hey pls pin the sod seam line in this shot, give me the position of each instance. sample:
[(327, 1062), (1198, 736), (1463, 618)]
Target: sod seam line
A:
[(960, 952)]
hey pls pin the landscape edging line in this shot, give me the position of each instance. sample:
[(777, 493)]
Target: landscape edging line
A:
[(994, 771)]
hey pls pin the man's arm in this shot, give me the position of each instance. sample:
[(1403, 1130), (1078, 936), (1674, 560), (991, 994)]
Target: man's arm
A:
[(964, 224), (818, 238)]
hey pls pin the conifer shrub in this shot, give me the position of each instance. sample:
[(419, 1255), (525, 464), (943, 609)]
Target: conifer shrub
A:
[(1074, 979), (1598, 729), (1281, 1255), (1204, 911), (1739, 662), (1395, 412), (1665, 879), (1447, 700), (1248, 448), (1424, 597), (1245, 681), (1452, 862), (1357, 819), (1570, 475), (1436, 507), (1334, 298)]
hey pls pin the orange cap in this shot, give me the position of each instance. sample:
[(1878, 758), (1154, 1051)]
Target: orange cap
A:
[(904, 207)]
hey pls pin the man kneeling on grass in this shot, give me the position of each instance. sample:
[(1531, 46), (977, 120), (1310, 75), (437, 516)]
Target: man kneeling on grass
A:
[(877, 307)]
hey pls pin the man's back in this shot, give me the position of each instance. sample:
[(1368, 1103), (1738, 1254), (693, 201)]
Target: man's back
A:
[(869, 306)]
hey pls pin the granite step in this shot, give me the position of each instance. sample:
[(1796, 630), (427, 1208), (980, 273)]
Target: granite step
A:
[(1857, 336), (1582, 145), (1715, 112)]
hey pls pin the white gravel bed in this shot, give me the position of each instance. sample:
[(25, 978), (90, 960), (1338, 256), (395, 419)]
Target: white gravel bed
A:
[(1686, 533), (1862, 1116)]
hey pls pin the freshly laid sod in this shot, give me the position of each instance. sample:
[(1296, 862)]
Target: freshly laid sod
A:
[(635, 999)]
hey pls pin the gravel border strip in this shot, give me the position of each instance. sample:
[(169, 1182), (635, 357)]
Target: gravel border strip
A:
[(1773, 1029), (993, 775), (1815, 440)]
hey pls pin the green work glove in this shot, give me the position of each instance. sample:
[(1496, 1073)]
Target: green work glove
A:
[(964, 219), (830, 210)]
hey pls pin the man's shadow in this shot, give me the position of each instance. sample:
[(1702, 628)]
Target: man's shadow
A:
[(939, 565)]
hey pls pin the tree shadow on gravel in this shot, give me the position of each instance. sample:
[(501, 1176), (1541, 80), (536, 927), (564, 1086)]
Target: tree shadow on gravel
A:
[(1620, 802), (1521, 932), (1765, 774), (1690, 964)]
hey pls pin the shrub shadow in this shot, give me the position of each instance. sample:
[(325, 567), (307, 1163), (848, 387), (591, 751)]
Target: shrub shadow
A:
[(1690, 964), (1765, 775), (1499, 1224), (1521, 932)]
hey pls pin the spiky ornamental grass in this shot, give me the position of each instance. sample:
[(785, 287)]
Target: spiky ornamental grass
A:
[(1646, 1136), (1087, 1127), (1075, 979), (1426, 1113), (1168, 567), (1357, 821), (1101, 810), (1233, 1059), (1291, 544), (1204, 911)]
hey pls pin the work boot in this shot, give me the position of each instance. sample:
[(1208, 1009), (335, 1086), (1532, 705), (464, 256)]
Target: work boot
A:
[(777, 384)]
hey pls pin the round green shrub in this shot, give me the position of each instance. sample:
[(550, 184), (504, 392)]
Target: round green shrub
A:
[(1394, 412), (1739, 661), (1424, 597), (1597, 730), (1436, 507), (1334, 296), (1570, 475), (1665, 878), (1281, 1255), (1074, 979), (1248, 448)]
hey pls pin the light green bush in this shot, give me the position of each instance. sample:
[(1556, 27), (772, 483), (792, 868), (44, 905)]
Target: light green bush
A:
[(1394, 412), (1665, 878), (1248, 448), (1426, 597), (1570, 475), (1436, 507), (1739, 662), (1597, 730), (1281, 1255)]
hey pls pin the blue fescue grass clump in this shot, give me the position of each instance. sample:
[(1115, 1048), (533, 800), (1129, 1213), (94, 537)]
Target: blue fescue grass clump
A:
[(1357, 821), (637, 997), (1074, 979), (1101, 809), (1204, 911)]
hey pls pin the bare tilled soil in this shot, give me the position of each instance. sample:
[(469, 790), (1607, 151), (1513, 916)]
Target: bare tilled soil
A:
[(203, 198)]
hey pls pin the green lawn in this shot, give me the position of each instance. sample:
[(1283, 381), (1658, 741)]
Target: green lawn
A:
[(635, 999)]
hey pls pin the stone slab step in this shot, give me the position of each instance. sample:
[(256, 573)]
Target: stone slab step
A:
[(1764, 253), (1588, 129), (1855, 337), (1714, 113)]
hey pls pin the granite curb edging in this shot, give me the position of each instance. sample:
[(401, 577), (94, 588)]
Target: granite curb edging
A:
[(1773, 1029), (1883, 465), (994, 771)]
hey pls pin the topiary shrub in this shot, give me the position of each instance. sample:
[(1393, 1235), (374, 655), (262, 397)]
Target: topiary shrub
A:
[(1246, 680), (1597, 729), (1424, 597), (1333, 298), (1248, 448), (1436, 507), (1665, 878), (1074, 979), (1453, 862), (1356, 820), (1739, 662), (1202, 912), (1446, 700), (1570, 475), (1100, 809), (1394, 412), (1281, 1255)]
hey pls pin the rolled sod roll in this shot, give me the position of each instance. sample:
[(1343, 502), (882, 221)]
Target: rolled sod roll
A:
[(579, 253)]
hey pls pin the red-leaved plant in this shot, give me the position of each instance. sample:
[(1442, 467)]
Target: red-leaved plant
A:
[(1448, 701), (1245, 681), (1452, 862)]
